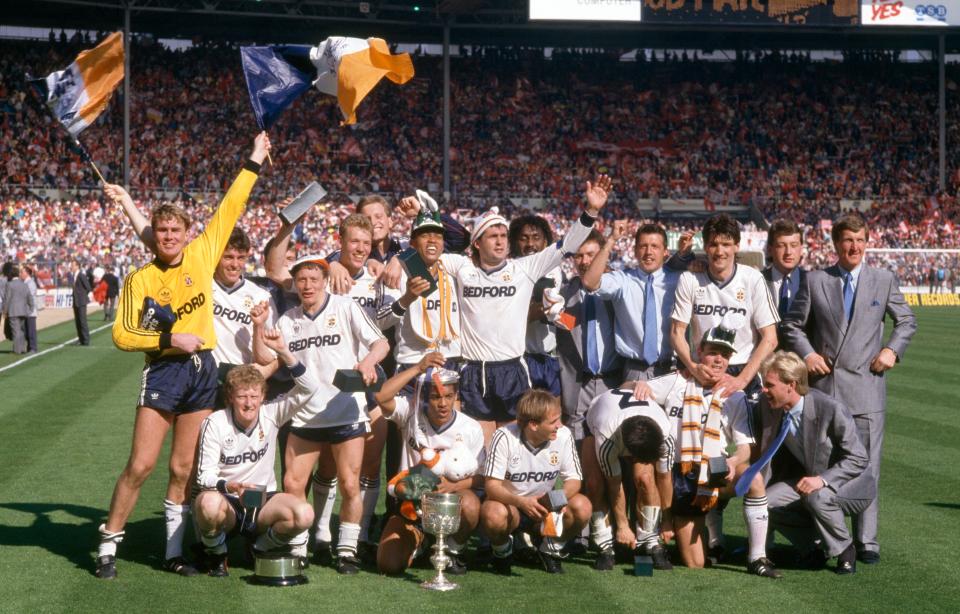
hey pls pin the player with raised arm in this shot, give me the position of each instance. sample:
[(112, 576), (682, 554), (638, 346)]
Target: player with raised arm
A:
[(237, 452), (429, 419), (326, 333), (494, 297), (166, 311), (523, 464)]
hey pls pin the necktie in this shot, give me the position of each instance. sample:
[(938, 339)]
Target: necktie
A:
[(743, 484), (784, 305), (590, 334), (848, 296), (650, 350)]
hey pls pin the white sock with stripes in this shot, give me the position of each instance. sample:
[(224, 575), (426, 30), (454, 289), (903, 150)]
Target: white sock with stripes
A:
[(324, 496), (369, 495), (757, 519)]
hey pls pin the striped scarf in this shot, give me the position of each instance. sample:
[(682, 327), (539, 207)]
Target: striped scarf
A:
[(700, 443), (435, 327)]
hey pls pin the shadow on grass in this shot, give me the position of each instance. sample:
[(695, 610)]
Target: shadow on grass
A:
[(946, 506), (77, 542)]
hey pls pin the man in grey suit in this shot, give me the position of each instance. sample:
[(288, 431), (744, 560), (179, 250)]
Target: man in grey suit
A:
[(18, 303), (836, 325), (584, 378), (818, 467)]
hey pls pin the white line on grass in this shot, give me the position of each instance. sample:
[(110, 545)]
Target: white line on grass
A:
[(47, 351)]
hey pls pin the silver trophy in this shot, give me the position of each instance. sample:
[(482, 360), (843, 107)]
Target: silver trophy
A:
[(441, 517)]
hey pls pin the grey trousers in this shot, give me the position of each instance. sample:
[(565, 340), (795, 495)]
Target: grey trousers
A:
[(577, 396), (18, 325), (801, 519), (865, 524)]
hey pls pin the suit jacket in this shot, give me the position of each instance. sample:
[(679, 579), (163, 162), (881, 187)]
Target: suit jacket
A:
[(815, 323), (831, 447), (768, 276), (82, 287), (18, 301)]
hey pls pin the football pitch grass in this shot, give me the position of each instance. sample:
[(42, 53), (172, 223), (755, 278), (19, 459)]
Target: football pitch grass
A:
[(67, 417)]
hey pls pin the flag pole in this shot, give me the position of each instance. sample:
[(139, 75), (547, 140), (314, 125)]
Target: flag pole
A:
[(85, 156)]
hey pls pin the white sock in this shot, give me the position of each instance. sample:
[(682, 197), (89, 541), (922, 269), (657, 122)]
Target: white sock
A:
[(324, 496), (600, 531), (503, 550), (108, 542), (714, 522), (347, 539), (369, 494), (552, 545), (175, 516), (216, 543), (453, 546), (298, 543), (270, 541), (756, 517), (648, 528)]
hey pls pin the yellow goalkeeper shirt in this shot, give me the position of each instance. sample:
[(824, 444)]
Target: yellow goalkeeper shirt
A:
[(186, 288)]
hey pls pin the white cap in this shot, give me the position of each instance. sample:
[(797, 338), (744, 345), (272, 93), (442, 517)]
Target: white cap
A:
[(485, 221), (314, 258)]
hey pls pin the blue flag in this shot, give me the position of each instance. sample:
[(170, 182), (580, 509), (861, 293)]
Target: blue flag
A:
[(276, 76)]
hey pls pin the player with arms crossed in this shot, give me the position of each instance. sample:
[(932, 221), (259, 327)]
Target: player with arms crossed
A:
[(238, 450), (523, 464), (166, 311), (326, 333), (429, 420)]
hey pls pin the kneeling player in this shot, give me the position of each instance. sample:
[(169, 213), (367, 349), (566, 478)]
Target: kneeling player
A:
[(524, 462), (622, 427), (237, 452), (434, 424), (705, 420)]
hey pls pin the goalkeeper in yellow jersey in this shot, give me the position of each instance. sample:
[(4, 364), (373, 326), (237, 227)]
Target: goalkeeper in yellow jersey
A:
[(166, 311)]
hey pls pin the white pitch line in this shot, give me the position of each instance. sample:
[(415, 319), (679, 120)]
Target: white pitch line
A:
[(47, 351)]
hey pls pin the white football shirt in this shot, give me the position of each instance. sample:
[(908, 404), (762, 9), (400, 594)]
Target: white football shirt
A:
[(336, 337), (232, 454), (528, 471), (460, 429), (541, 336), (607, 413), (418, 328), (667, 390), (232, 323), (494, 304), (702, 303)]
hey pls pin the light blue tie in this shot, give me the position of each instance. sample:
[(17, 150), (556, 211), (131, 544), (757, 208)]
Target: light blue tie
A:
[(787, 427), (590, 334), (848, 295), (650, 350)]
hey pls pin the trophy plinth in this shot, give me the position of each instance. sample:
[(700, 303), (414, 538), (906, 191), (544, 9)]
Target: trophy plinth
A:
[(441, 517)]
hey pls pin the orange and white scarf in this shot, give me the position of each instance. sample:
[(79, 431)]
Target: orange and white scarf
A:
[(700, 439), (438, 326)]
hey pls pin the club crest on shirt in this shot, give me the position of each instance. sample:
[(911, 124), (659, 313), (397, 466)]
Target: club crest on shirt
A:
[(229, 442), (331, 321), (506, 277), (373, 287), (741, 294), (248, 302), (165, 295), (187, 281), (554, 458), (260, 434)]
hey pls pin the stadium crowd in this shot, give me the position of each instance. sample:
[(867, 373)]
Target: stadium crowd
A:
[(777, 132)]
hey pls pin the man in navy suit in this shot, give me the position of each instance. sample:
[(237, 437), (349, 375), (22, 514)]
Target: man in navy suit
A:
[(784, 275), (836, 325)]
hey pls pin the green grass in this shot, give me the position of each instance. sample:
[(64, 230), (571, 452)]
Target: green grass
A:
[(66, 422)]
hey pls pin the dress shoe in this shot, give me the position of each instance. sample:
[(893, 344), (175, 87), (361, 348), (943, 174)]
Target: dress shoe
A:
[(868, 557), (847, 561)]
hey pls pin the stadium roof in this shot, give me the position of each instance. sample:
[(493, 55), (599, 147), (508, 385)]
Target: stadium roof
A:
[(477, 22)]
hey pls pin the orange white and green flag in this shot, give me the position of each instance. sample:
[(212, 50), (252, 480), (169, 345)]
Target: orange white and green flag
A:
[(78, 94)]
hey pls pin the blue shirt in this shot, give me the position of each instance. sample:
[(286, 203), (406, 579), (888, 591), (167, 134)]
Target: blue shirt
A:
[(626, 289), (855, 274), (795, 442), (606, 346)]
